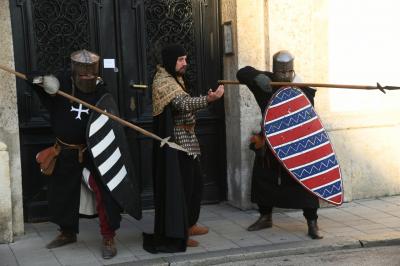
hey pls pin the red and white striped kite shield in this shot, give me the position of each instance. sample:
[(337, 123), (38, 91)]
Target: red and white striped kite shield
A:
[(298, 139)]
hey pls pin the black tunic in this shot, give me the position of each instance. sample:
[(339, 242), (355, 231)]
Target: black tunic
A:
[(69, 121), (272, 186)]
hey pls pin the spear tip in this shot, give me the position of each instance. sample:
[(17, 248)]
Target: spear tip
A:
[(380, 87)]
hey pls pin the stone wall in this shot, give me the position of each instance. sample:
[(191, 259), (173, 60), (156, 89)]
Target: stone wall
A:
[(9, 133), (241, 111), (329, 46), (6, 233)]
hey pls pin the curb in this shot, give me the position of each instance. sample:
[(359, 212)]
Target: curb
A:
[(268, 251)]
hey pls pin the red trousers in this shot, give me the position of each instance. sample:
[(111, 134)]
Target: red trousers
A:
[(105, 228)]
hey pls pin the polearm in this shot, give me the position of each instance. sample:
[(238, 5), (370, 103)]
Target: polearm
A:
[(113, 117), (321, 85)]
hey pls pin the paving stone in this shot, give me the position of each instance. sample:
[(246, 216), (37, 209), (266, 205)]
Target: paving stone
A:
[(357, 220), (341, 230), (247, 241), (156, 256), (389, 221), (283, 238), (27, 244), (367, 227), (393, 199), (245, 222), (325, 223), (363, 221), (36, 257), (7, 256), (75, 253), (213, 241)]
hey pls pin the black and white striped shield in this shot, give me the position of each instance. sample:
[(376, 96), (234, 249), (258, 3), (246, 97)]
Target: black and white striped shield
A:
[(109, 148)]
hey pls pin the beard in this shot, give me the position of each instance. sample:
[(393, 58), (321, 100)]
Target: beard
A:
[(181, 71)]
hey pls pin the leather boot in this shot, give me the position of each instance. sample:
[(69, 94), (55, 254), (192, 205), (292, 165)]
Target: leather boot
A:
[(313, 229), (108, 249), (196, 230), (265, 221), (192, 243), (62, 239)]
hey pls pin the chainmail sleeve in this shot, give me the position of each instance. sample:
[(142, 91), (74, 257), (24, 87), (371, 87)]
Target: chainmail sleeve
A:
[(184, 108), (186, 104)]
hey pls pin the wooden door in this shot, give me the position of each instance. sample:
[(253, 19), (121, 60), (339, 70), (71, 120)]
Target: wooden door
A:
[(128, 34)]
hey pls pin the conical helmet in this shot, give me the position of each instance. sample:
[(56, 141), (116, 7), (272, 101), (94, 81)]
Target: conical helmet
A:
[(85, 70), (282, 66)]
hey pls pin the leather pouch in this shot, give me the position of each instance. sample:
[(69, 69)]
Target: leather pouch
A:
[(47, 159)]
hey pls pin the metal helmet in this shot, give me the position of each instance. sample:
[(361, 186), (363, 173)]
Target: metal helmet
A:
[(85, 70), (282, 66)]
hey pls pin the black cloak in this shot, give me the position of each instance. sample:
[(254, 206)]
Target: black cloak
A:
[(272, 185), (170, 224)]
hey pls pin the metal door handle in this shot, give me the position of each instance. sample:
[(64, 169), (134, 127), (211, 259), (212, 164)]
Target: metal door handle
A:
[(137, 86)]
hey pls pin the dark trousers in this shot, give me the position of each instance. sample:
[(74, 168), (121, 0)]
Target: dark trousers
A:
[(193, 185), (309, 213), (64, 193)]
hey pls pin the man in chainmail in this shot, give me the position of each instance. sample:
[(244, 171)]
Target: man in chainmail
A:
[(177, 177)]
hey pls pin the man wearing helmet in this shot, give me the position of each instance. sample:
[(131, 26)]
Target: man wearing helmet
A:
[(272, 185), (69, 124)]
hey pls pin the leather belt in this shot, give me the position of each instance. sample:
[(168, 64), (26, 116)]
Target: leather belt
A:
[(66, 146)]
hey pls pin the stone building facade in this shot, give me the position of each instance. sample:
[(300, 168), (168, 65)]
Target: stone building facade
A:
[(363, 125)]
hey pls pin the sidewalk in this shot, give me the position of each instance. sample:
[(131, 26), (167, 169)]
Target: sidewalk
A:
[(359, 223)]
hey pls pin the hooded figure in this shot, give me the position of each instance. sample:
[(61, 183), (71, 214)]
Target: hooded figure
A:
[(177, 177)]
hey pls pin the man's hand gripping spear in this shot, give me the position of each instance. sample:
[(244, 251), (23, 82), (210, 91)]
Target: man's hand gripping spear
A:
[(116, 118)]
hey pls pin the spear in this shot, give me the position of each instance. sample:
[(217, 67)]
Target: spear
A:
[(322, 85), (113, 117)]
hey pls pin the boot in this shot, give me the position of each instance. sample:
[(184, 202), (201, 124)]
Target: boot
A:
[(64, 238), (265, 221), (108, 249), (313, 230), (196, 230), (192, 243)]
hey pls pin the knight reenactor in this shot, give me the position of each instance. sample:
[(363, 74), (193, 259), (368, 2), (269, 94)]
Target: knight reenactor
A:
[(74, 154), (272, 186)]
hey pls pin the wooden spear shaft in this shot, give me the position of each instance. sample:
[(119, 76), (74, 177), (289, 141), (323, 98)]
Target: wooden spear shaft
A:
[(114, 117), (321, 85)]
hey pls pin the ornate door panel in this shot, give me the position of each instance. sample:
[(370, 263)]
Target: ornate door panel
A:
[(211, 122), (44, 34), (195, 25), (129, 33)]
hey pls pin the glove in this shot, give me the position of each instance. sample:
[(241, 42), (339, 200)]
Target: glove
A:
[(263, 82), (49, 82), (260, 152), (258, 82)]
